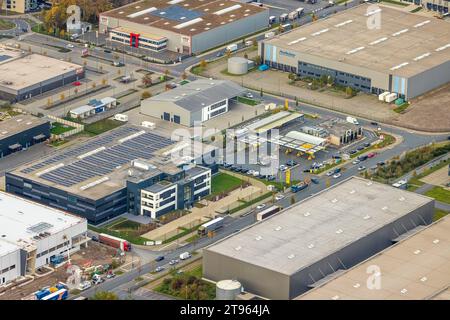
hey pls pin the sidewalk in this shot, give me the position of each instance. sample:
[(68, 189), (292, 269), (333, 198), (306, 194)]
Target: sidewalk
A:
[(198, 215)]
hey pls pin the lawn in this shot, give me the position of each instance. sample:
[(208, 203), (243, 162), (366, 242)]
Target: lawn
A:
[(59, 128), (102, 126), (440, 194), (188, 286), (415, 182), (6, 24), (438, 214), (222, 183), (416, 9), (401, 107), (250, 102)]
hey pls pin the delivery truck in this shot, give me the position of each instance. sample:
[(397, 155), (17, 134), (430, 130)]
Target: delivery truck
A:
[(185, 255), (232, 47), (114, 242), (298, 187), (383, 95), (352, 120)]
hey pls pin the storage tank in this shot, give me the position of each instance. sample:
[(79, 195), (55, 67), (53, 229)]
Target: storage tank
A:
[(228, 289), (237, 65)]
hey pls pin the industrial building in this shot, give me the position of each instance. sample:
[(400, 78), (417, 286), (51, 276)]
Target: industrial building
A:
[(415, 268), (331, 231), (93, 107), (399, 56), (104, 176), (194, 102), (182, 26), (31, 234), (433, 5), (21, 132), (336, 131), (20, 6), (34, 74)]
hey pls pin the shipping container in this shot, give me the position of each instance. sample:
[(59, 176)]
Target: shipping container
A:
[(383, 95)]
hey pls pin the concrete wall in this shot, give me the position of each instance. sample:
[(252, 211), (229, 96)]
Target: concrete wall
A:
[(254, 279), (428, 80), (228, 32), (157, 108), (7, 261), (25, 138)]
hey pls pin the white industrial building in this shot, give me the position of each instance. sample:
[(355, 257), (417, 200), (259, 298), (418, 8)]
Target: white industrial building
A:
[(197, 101), (31, 233)]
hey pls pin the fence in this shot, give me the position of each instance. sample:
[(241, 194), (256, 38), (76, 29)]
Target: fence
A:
[(77, 128)]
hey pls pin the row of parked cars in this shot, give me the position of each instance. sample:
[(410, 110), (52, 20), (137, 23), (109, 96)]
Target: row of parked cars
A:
[(249, 172)]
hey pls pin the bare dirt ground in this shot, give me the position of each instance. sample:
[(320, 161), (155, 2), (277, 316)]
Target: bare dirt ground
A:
[(431, 110), (95, 254), (438, 178)]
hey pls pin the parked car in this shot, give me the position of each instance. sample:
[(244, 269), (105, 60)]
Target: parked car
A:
[(159, 258), (76, 83), (271, 178), (353, 151), (315, 180), (159, 269), (356, 161), (367, 144), (371, 155), (362, 158), (219, 54), (250, 172), (337, 175), (330, 173), (337, 170), (249, 95), (279, 197), (110, 275), (283, 167), (261, 206), (291, 163), (381, 163), (244, 170), (94, 238), (361, 168), (374, 123), (84, 285), (69, 45), (256, 173), (107, 51), (360, 148)]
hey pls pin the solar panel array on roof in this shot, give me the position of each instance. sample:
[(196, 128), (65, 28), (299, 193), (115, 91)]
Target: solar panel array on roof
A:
[(103, 162), (177, 13)]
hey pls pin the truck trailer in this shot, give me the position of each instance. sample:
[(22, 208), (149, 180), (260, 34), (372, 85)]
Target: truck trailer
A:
[(114, 242), (267, 213), (210, 226)]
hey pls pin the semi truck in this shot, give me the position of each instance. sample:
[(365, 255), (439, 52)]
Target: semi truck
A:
[(114, 242), (267, 213), (283, 17), (293, 15), (298, 187), (210, 226)]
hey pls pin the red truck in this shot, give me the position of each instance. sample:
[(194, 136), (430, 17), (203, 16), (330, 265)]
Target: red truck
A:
[(115, 242)]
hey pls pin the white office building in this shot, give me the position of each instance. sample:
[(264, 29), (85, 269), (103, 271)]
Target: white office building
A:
[(31, 234)]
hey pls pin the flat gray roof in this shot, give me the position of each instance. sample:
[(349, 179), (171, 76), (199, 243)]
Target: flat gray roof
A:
[(19, 124), (198, 94), (159, 186), (415, 268), (405, 44), (21, 220), (32, 69), (314, 228)]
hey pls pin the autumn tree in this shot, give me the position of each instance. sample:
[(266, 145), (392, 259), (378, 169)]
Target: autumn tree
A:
[(146, 95), (147, 81)]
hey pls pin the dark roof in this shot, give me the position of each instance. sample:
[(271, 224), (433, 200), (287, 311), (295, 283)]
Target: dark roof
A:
[(198, 94)]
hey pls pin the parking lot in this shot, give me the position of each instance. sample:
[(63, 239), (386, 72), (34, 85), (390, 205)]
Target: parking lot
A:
[(281, 160)]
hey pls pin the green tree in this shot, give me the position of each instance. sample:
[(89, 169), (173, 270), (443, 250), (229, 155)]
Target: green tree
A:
[(349, 92), (105, 295)]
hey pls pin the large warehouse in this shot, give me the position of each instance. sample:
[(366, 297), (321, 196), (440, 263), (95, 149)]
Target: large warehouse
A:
[(416, 268), (330, 231), (197, 101), (399, 56), (104, 177), (31, 234), (35, 74), (183, 26), (22, 132)]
